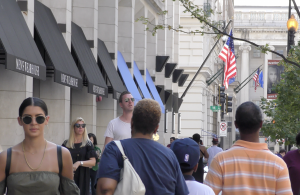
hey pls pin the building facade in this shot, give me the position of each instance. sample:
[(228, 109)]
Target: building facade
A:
[(261, 25), (197, 117), (87, 53)]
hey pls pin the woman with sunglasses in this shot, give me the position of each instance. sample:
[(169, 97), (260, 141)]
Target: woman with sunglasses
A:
[(36, 166), (83, 154)]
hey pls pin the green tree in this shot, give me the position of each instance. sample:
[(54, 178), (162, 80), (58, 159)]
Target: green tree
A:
[(207, 26), (282, 119)]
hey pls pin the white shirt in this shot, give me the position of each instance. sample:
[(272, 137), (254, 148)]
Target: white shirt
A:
[(196, 188), (212, 151), (118, 129)]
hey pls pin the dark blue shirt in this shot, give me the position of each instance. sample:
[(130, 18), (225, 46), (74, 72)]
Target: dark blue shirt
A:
[(156, 165)]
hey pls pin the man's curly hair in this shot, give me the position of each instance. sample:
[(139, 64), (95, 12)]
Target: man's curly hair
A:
[(146, 116)]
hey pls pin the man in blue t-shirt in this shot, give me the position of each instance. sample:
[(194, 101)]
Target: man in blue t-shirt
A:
[(156, 165)]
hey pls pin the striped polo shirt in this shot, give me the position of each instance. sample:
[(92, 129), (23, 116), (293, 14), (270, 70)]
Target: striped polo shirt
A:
[(248, 168)]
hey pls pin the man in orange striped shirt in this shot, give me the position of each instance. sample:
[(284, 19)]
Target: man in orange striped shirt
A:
[(248, 168)]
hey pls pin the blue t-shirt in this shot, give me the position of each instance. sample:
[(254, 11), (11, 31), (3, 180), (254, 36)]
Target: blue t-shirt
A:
[(156, 165)]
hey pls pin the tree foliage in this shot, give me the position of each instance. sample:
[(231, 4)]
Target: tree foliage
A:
[(207, 26), (282, 119)]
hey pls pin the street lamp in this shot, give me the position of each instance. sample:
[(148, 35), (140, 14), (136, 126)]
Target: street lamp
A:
[(292, 26)]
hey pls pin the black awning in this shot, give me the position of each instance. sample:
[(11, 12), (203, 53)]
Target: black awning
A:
[(105, 60), (175, 102), (169, 69), (80, 48), (169, 100), (177, 74), (182, 79), (18, 52), (180, 100), (161, 91), (55, 48), (161, 62)]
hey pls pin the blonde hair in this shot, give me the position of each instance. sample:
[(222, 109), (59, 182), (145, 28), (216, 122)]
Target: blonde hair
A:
[(71, 140)]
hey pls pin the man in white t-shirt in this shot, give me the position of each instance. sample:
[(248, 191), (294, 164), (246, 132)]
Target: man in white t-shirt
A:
[(120, 127), (188, 153), (213, 150)]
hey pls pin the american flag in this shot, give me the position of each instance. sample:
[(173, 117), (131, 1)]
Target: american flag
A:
[(228, 56), (256, 80)]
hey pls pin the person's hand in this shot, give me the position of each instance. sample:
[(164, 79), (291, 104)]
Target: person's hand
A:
[(76, 165)]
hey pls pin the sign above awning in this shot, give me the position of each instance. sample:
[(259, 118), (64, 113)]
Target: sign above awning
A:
[(53, 45), (80, 48), (18, 52)]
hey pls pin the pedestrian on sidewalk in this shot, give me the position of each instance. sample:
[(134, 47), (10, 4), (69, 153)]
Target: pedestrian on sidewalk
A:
[(33, 165), (156, 165), (93, 170), (119, 128), (198, 175), (281, 153), (248, 167), (292, 160), (171, 140), (83, 154), (213, 150), (188, 153)]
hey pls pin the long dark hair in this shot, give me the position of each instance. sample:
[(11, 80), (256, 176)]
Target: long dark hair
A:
[(94, 137), (33, 101)]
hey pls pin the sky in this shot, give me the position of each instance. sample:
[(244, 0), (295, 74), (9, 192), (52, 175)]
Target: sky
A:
[(265, 2)]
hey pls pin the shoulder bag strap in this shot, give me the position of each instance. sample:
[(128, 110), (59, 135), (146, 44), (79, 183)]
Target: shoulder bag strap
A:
[(59, 159), (8, 162), (118, 143)]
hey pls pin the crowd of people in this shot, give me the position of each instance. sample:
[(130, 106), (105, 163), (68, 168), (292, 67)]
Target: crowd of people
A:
[(37, 166)]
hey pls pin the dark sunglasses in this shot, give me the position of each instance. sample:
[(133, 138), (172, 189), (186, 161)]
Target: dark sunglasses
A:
[(78, 125), (127, 99), (28, 119)]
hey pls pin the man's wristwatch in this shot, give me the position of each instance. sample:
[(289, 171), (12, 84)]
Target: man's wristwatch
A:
[(81, 163)]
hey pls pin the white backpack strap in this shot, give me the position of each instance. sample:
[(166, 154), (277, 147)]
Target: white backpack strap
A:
[(118, 143)]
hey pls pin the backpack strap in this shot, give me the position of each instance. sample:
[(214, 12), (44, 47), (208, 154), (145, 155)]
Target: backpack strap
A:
[(118, 143), (59, 159), (60, 166), (8, 162), (7, 167)]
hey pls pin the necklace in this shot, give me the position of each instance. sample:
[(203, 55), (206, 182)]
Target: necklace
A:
[(26, 158)]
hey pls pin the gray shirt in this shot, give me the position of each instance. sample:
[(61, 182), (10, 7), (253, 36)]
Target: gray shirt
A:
[(212, 151)]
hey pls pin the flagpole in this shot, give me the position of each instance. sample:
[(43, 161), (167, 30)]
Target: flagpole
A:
[(190, 84), (247, 77), (236, 90)]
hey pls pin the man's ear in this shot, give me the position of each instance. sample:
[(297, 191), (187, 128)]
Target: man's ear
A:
[(195, 167), (236, 125)]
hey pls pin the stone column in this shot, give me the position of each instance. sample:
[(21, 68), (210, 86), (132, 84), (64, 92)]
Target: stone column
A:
[(108, 25), (152, 47), (57, 96), (126, 31), (108, 32), (268, 56), (83, 104), (140, 43), (245, 72)]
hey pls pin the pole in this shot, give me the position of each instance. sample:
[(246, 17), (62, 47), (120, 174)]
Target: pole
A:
[(190, 84), (247, 78), (289, 16), (296, 8)]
